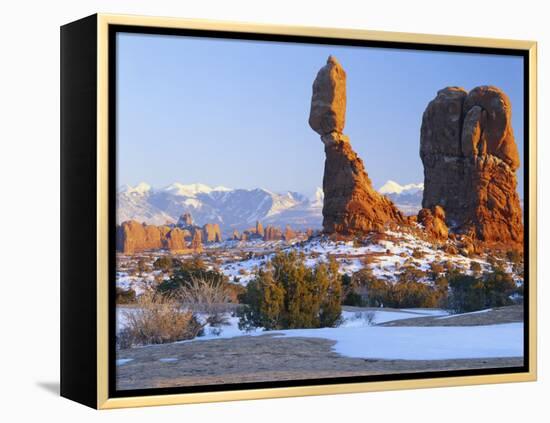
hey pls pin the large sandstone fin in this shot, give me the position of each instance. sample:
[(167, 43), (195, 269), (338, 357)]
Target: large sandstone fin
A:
[(470, 158)]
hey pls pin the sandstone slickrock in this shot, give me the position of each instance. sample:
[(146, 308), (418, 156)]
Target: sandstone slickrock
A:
[(470, 158), (351, 205)]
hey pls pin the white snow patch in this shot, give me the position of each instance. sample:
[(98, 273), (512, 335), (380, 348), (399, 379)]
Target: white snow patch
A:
[(422, 343), (465, 314)]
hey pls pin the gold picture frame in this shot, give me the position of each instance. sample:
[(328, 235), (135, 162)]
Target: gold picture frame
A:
[(99, 26)]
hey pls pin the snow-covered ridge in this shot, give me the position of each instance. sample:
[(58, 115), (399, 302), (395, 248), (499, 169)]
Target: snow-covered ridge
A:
[(392, 187), (192, 190), (230, 208), (239, 208)]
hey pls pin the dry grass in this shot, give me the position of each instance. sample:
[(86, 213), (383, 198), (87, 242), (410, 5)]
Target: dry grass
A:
[(205, 295), (157, 319)]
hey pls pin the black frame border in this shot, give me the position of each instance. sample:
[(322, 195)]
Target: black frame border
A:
[(113, 30)]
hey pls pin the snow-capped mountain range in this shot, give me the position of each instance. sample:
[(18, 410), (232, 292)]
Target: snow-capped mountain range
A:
[(238, 208), (407, 197)]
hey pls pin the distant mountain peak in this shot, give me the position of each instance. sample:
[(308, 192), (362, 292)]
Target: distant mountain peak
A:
[(191, 190), (392, 187), (318, 198), (140, 189)]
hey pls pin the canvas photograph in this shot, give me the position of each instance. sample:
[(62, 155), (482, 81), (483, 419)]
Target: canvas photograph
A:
[(294, 212)]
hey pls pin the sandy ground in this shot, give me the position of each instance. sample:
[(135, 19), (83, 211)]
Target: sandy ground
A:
[(268, 358)]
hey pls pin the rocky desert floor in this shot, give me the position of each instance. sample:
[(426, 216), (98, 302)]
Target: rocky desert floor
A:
[(268, 357)]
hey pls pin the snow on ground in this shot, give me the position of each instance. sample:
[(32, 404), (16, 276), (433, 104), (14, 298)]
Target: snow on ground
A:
[(386, 256), (465, 314), (374, 317), (138, 284), (356, 337), (422, 343), (427, 311)]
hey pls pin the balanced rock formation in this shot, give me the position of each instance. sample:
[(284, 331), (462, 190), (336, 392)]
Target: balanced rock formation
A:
[(351, 205), (434, 224), (470, 160), (211, 232)]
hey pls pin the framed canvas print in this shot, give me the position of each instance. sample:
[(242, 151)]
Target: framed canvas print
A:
[(255, 211)]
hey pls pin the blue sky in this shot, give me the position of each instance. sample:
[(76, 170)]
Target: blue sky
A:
[(235, 113)]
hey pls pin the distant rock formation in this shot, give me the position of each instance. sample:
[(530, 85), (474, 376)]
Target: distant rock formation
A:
[(351, 205), (185, 220), (272, 233), (259, 228), (133, 237), (470, 158), (175, 240), (433, 221), (289, 234), (196, 242), (212, 232)]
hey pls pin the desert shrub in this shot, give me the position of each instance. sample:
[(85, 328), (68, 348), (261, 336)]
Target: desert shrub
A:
[(203, 294), (350, 296), (412, 294), (157, 319), (492, 260), (492, 289), (166, 263), (202, 291), (186, 274), (193, 264), (467, 293), (514, 256), (125, 296), (436, 269), (289, 295), (499, 286), (475, 267), (417, 254), (411, 273), (141, 266), (234, 291), (449, 266), (378, 293)]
